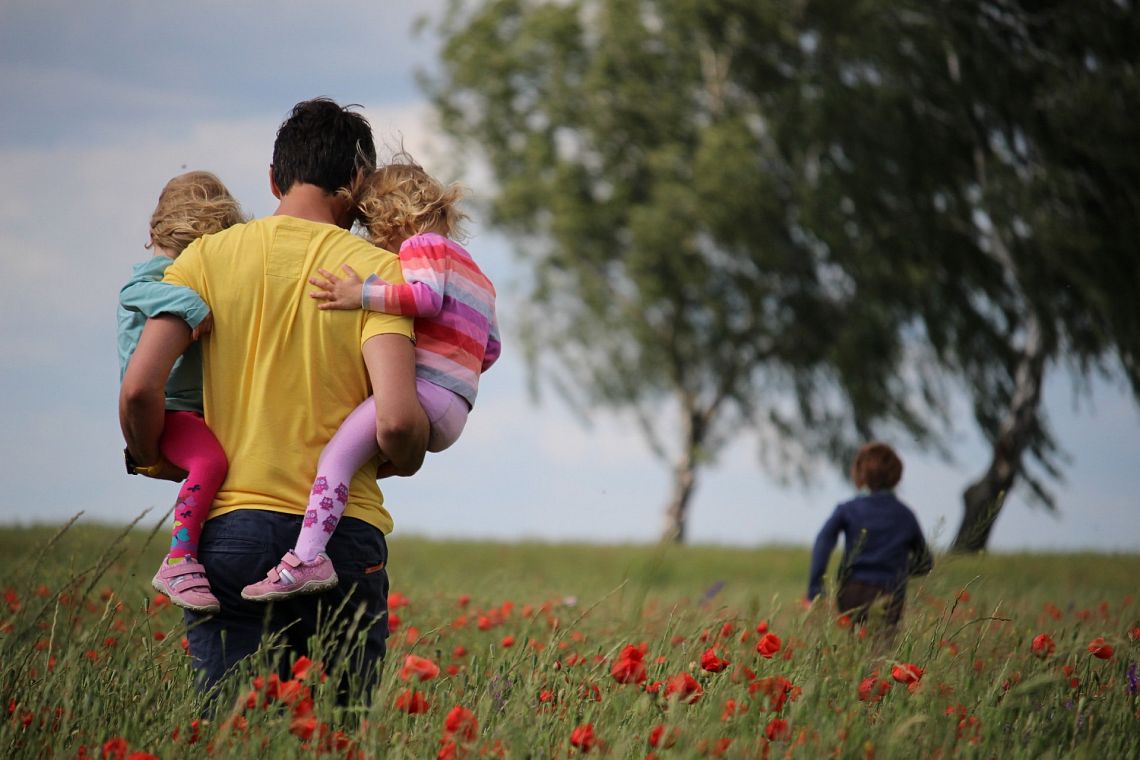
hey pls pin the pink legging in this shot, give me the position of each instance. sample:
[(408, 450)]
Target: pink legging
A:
[(187, 442), (354, 444)]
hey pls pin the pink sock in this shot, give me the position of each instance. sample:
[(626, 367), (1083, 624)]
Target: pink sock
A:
[(187, 442), (352, 446)]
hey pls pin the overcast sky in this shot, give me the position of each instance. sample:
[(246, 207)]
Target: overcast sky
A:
[(103, 103)]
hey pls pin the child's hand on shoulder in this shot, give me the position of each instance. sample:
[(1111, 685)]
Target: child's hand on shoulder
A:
[(204, 328), (338, 292)]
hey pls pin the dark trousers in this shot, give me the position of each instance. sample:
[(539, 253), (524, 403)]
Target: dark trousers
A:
[(855, 598), (239, 548)]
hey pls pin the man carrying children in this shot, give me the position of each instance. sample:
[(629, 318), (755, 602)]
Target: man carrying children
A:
[(279, 377)]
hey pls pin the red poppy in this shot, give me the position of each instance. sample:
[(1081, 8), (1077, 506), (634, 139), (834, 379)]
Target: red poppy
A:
[(777, 729), (768, 645), (1099, 649), (716, 749), (658, 737), (729, 709), (583, 737), (507, 641), (1043, 645), (303, 666), (590, 692), (778, 690), (685, 687), (629, 667), (303, 726), (712, 663), (461, 724), (411, 702), (115, 748), (907, 673), (872, 689), (292, 691), (419, 667)]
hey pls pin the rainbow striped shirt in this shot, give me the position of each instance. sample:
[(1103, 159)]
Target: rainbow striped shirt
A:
[(453, 302)]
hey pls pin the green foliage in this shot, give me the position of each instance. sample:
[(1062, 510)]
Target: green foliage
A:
[(810, 219), (88, 655), (643, 173)]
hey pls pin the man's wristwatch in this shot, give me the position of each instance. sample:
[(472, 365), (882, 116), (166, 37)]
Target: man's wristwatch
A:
[(134, 468)]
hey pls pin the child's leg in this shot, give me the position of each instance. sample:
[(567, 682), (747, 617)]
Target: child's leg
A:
[(446, 412), (352, 445), (187, 442)]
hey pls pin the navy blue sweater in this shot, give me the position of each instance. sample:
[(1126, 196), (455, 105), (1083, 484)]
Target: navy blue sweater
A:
[(882, 543)]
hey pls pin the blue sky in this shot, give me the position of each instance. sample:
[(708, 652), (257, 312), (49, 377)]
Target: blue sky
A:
[(103, 106)]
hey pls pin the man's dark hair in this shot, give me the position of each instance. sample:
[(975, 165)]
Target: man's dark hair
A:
[(322, 144)]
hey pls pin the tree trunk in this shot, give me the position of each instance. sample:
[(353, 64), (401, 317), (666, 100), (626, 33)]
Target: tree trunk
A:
[(693, 427), (677, 512), (984, 498)]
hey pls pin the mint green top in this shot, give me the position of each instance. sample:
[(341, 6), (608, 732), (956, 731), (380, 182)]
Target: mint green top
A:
[(145, 296)]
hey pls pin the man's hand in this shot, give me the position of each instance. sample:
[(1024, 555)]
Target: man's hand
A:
[(338, 293), (389, 470), (163, 469), (204, 328)]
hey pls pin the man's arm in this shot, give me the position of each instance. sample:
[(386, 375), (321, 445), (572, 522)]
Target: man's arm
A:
[(142, 397), (401, 425)]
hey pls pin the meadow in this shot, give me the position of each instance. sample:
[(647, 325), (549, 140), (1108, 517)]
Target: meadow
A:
[(556, 651)]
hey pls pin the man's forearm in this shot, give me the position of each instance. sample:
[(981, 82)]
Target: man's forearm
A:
[(142, 414), (404, 445), (401, 425), (142, 398)]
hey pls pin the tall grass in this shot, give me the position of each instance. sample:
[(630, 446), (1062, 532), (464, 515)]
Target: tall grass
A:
[(92, 662)]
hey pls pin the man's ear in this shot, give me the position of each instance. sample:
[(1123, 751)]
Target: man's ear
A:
[(273, 184)]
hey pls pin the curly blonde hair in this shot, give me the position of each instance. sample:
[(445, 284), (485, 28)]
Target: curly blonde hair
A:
[(191, 205), (400, 199)]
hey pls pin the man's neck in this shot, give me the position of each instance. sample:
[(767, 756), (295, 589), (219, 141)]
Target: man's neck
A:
[(305, 201)]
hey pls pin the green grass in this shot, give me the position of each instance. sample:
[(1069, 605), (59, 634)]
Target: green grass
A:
[(88, 657)]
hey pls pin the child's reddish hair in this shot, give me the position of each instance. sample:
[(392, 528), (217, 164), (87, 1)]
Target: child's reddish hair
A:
[(876, 467)]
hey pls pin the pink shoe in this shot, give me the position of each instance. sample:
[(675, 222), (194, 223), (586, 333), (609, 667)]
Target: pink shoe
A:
[(292, 577), (187, 586)]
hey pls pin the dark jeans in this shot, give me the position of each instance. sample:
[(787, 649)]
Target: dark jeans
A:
[(856, 597), (240, 547)]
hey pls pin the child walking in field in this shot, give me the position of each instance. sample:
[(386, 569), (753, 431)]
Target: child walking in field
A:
[(457, 339), (883, 543), (190, 205)]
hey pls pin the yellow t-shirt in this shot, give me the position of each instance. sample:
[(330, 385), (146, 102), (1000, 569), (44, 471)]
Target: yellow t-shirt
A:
[(279, 374)]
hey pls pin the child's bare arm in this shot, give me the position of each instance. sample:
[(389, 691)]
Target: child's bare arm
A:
[(338, 292)]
